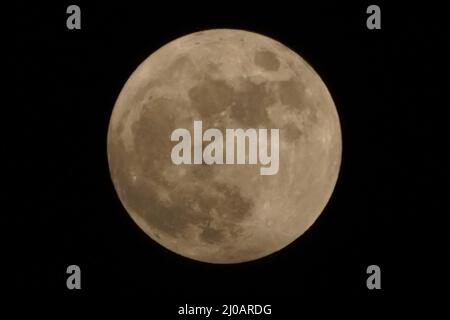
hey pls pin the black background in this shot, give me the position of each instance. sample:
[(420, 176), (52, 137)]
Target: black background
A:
[(382, 82)]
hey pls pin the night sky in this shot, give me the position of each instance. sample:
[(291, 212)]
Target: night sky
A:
[(382, 212)]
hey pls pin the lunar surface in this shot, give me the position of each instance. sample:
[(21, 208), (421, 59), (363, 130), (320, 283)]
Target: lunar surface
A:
[(227, 79)]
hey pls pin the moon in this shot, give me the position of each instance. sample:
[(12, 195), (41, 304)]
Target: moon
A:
[(228, 79)]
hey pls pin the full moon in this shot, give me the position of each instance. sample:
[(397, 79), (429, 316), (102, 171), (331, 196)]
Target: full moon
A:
[(224, 213)]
